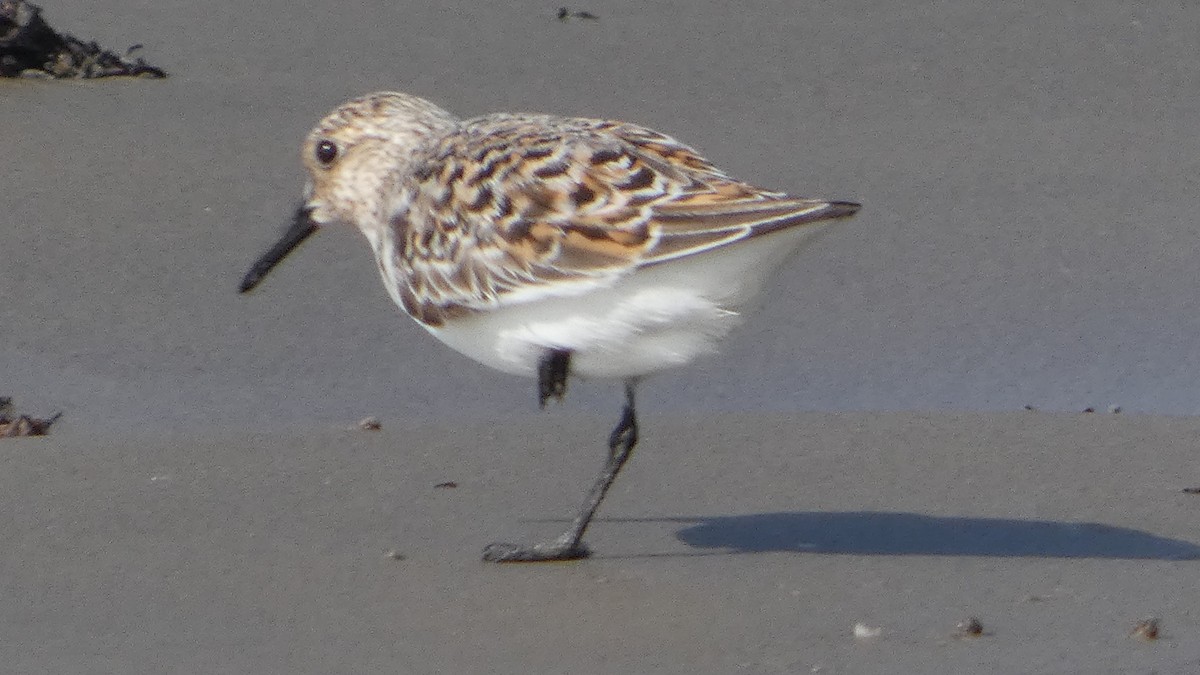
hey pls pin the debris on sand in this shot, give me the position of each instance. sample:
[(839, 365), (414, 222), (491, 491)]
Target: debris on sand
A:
[(565, 14), (1146, 629), (864, 632), (969, 627), (22, 425), (30, 48)]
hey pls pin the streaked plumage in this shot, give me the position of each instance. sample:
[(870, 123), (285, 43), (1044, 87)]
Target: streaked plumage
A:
[(522, 240)]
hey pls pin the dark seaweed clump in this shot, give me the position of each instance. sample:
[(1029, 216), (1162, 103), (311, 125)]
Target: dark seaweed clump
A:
[(30, 48), (22, 425)]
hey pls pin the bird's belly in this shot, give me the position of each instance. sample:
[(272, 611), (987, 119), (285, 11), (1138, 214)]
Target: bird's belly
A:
[(658, 317), (608, 334)]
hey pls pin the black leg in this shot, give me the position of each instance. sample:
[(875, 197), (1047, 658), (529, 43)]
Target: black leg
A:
[(569, 545), (552, 375)]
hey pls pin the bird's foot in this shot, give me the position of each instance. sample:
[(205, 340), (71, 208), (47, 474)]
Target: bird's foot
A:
[(558, 550)]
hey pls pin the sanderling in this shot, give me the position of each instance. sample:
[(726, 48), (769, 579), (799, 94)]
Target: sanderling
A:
[(547, 247)]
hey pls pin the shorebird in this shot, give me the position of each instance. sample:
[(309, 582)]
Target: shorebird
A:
[(549, 247)]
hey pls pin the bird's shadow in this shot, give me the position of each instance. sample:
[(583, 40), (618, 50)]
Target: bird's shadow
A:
[(892, 533)]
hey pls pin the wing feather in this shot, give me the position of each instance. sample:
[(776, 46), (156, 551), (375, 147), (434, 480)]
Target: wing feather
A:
[(517, 207)]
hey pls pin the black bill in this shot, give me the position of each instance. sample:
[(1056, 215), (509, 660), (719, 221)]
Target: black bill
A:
[(302, 228)]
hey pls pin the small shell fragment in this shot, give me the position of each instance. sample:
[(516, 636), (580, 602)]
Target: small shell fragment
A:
[(370, 424), (864, 632), (969, 627)]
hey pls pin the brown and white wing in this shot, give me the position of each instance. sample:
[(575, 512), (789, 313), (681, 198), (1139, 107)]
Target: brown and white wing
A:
[(516, 208)]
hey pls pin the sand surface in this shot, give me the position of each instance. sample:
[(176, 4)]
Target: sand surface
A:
[(857, 454), (735, 543)]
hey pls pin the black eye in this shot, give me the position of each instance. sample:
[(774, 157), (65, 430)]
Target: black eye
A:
[(326, 152)]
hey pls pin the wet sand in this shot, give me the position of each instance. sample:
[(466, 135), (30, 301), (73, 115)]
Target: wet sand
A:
[(736, 543)]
